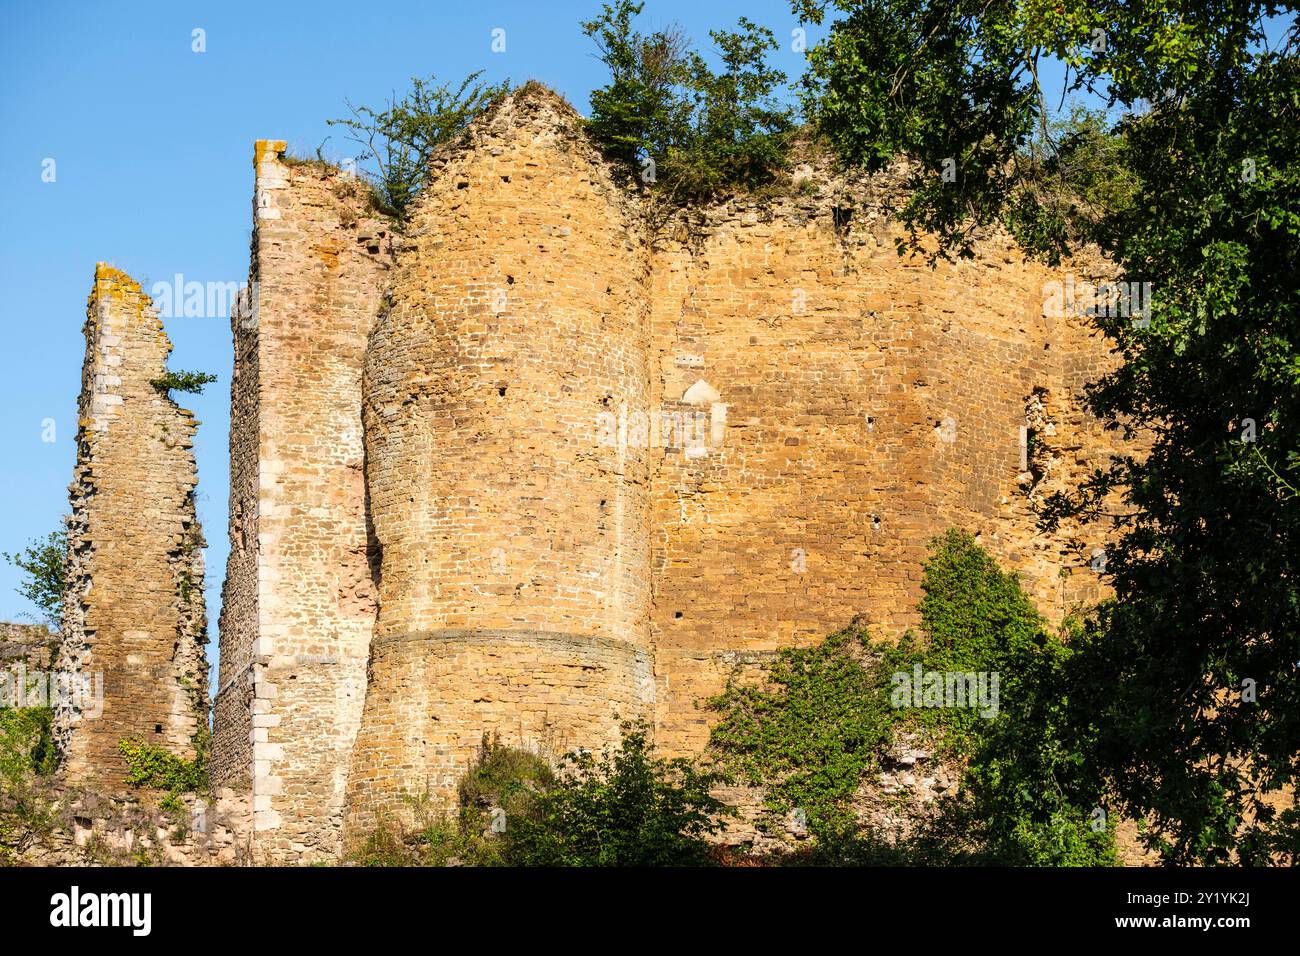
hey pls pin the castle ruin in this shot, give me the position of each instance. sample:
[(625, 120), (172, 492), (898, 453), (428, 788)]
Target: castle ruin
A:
[(538, 462)]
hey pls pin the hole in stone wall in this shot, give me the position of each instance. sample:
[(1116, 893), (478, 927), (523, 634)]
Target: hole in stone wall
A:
[(841, 216), (875, 522), (502, 391), (1040, 429), (157, 728), (677, 615), (510, 280)]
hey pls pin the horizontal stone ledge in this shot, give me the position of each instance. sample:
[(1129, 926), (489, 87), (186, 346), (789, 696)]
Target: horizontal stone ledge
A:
[(489, 636)]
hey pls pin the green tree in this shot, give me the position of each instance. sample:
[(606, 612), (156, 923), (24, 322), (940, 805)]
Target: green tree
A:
[(400, 138), (690, 130), (1189, 676), (42, 565), (625, 808)]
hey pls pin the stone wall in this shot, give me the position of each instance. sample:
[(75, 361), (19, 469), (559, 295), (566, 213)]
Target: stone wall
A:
[(299, 597), (133, 618), (870, 401), (129, 829), (33, 646), (514, 585), (604, 468)]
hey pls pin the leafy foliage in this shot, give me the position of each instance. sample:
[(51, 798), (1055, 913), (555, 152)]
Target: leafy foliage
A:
[(956, 88), (626, 808), (400, 138), (26, 742), (26, 754), (154, 767), (823, 719), (690, 130), (1204, 206), (820, 722), (508, 778), (501, 779), (41, 563), (191, 382)]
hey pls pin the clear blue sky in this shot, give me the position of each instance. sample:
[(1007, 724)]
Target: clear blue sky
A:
[(152, 145)]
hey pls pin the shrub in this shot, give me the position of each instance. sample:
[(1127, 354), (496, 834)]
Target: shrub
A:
[(689, 130), (626, 808), (501, 777), (400, 138), (153, 767), (192, 382), (26, 754)]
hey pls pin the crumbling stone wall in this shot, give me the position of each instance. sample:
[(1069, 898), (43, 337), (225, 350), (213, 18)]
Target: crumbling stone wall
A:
[(871, 402), (514, 584), (605, 466), (32, 646), (299, 598), (133, 605), (92, 828)]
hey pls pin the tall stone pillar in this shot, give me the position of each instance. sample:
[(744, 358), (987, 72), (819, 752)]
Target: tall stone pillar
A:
[(134, 624), (298, 599)]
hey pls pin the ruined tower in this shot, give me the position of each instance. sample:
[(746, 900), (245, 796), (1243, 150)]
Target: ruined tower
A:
[(133, 617), (298, 602), (514, 580)]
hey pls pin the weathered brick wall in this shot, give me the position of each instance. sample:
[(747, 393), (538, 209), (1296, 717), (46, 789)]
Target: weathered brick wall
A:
[(133, 605), (871, 402), (602, 472), (299, 595), (33, 646), (514, 581), (92, 828)]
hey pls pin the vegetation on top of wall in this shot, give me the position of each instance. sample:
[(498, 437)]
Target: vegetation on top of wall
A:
[(686, 130), (42, 566), (192, 382), (400, 137), (821, 722)]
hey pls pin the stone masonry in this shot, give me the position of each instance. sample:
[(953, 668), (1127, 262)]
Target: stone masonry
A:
[(543, 461), (514, 583), (298, 603), (133, 617)]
